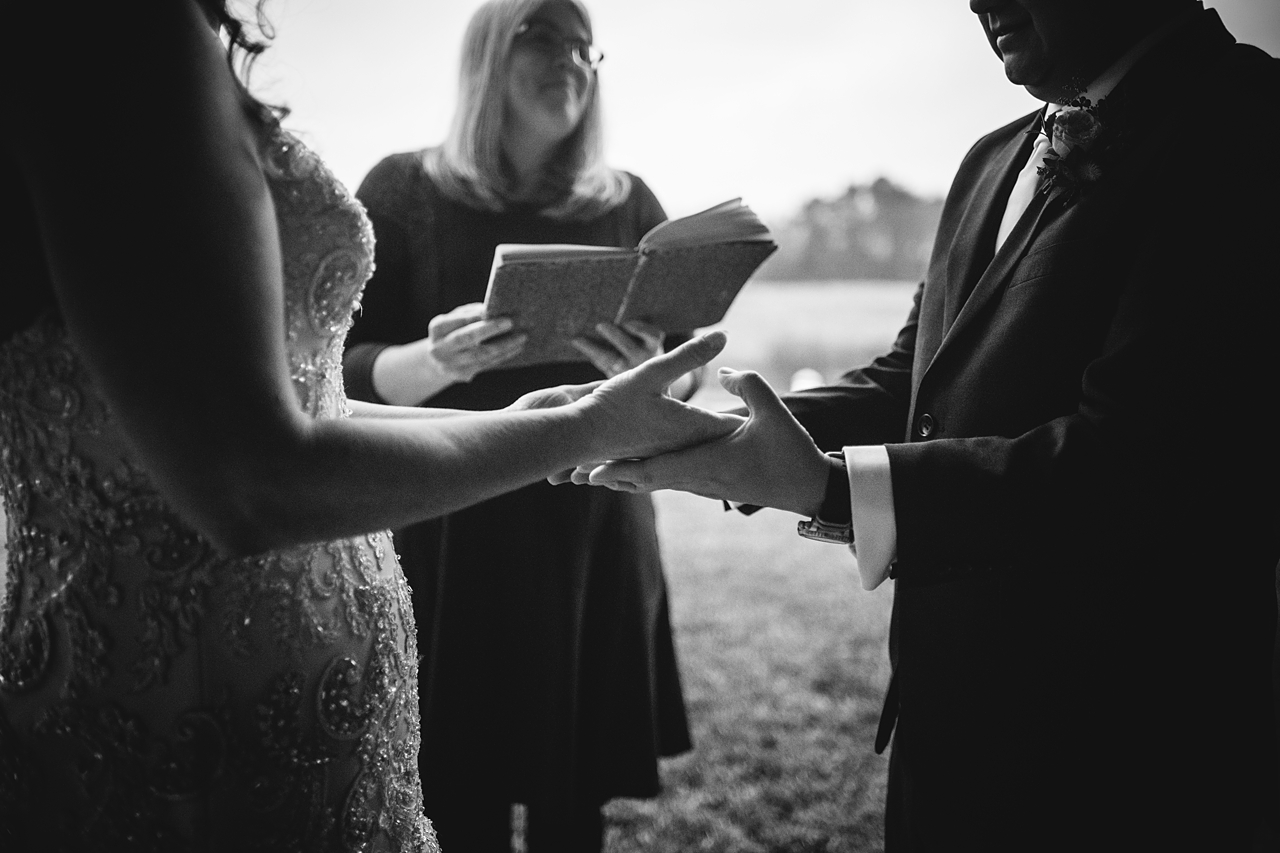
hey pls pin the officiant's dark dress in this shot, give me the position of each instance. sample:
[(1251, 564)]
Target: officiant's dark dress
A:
[(548, 670)]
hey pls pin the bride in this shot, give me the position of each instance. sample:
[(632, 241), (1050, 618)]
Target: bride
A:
[(206, 641)]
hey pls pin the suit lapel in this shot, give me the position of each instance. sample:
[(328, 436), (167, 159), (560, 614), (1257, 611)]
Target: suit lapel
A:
[(975, 239), (1044, 208), (1148, 89)]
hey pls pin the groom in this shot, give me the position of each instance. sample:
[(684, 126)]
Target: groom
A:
[(1068, 462)]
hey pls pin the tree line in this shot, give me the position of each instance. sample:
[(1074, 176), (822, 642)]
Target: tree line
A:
[(873, 231)]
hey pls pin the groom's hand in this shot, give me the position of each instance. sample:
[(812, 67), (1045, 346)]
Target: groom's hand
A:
[(633, 417), (769, 460)]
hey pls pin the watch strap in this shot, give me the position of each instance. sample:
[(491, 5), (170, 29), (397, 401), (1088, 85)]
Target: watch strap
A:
[(834, 521), (836, 507)]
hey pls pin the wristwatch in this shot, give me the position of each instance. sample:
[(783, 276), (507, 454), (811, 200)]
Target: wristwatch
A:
[(834, 521)]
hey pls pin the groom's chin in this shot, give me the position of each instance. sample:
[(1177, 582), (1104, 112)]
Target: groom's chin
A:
[(1035, 77)]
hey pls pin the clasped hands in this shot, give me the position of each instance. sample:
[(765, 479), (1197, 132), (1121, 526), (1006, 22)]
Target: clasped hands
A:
[(765, 458), (648, 441)]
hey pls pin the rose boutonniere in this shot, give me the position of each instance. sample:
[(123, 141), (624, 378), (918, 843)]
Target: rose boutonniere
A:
[(1083, 138)]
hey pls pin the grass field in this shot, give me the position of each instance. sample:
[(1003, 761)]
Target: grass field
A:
[(783, 654), (784, 664)]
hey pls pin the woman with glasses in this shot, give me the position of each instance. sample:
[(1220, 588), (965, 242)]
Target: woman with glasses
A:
[(549, 673)]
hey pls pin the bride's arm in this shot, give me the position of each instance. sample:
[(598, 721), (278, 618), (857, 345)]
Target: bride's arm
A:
[(163, 248), (381, 411)]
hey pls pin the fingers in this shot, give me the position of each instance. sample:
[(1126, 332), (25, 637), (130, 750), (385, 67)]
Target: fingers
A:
[(753, 389), (622, 350), (670, 471), (560, 477), (475, 333), (628, 474), (662, 370), (651, 335), (606, 360), (577, 476), (637, 347), (463, 315), (472, 349)]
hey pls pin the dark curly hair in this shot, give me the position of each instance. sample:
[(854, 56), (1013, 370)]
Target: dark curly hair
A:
[(245, 43)]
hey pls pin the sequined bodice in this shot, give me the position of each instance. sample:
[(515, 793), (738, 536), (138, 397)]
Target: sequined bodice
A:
[(154, 692)]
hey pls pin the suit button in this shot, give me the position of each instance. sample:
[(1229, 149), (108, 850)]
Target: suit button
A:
[(925, 425)]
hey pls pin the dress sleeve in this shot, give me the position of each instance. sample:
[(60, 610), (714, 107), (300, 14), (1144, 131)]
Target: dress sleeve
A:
[(382, 318)]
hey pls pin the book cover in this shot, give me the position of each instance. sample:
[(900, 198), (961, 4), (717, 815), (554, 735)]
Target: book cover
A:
[(555, 299), (684, 275), (690, 287)]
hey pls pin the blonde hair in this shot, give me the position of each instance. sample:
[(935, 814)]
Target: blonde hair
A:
[(469, 166)]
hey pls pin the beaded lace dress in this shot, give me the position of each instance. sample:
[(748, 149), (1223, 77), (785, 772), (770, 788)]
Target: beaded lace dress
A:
[(157, 696)]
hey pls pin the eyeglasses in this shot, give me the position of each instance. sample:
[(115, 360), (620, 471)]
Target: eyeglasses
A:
[(550, 44)]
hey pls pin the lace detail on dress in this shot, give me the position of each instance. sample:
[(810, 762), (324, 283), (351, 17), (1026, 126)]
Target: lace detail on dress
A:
[(155, 694), (328, 260)]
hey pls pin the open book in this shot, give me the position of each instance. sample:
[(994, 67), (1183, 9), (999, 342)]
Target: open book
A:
[(682, 276)]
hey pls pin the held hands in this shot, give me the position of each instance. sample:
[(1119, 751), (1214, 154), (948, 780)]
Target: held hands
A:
[(459, 345), (630, 345), (631, 414), (768, 460)]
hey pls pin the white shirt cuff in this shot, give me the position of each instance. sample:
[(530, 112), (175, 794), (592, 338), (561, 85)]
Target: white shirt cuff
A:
[(875, 526)]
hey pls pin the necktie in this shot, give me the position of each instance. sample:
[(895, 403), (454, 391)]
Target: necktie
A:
[(1024, 188)]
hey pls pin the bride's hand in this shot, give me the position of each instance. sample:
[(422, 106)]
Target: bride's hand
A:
[(769, 461), (635, 418), (550, 398)]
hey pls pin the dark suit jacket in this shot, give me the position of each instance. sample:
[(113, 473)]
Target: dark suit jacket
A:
[(1086, 484)]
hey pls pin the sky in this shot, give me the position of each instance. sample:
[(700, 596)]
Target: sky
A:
[(706, 100)]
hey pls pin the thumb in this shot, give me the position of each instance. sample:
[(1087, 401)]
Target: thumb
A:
[(690, 355), (754, 391)]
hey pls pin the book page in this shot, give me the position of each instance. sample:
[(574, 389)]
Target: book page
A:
[(515, 252), (728, 222), (690, 287)]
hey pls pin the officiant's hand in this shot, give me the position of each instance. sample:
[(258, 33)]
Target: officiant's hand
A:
[(460, 345), (626, 346), (769, 460)]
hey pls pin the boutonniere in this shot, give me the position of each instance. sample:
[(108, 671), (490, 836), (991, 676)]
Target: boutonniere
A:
[(1084, 139)]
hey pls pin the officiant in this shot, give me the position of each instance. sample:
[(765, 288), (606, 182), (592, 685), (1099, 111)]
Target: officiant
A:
[(549, 674)]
